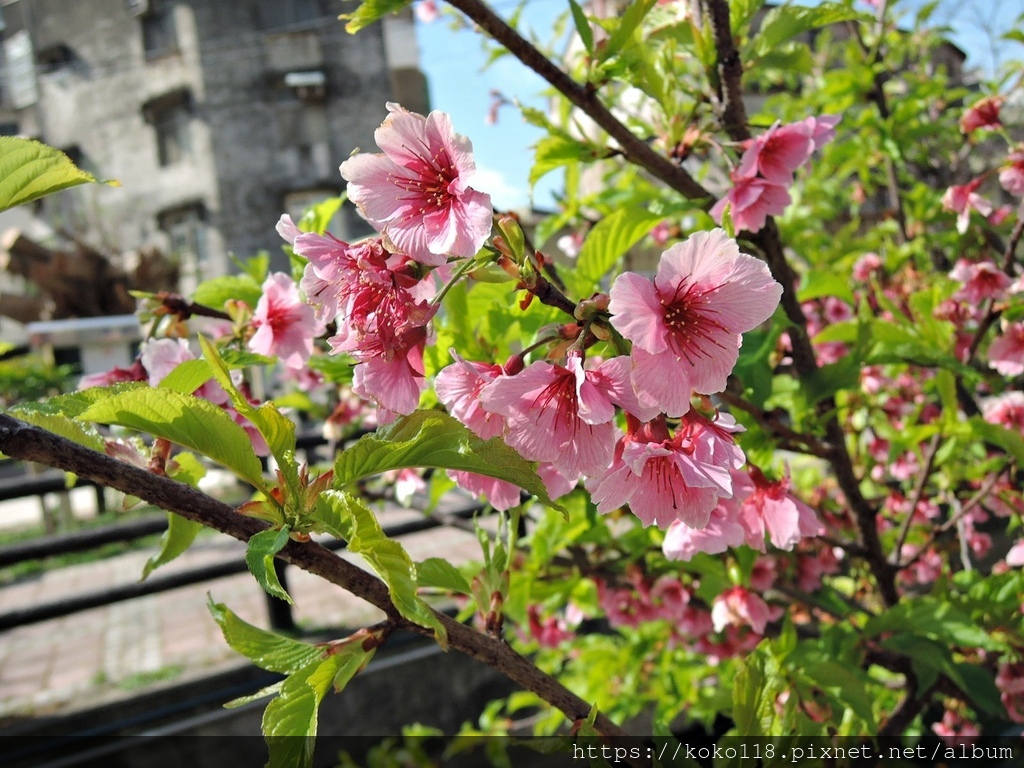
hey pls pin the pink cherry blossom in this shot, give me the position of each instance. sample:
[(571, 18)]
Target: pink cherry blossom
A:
[(752, 201), (392, 375), (500, 494), (776, 154), (1015, 557), (771, 509), (983, 113), (416, 193), (550, 632), (983, 280), (685, 325), (738, 607), (962, 199), (458, 387), (865, 266), (722, 531), (782, 149), (556, 484), (161, 356), (1006, 352), (1007, 410), (426, 11), (1011, 176), (134, 372), (1010, 682), (664, 477), (555, 414), (285, 325)]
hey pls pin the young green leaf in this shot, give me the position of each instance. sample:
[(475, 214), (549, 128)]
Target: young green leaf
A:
[(29, 170), (582, 27), (185, 420), (50, 418), (370, 11), (266, 650), (176, 539), (349, 518), (434, 439), (260, 559), (608, 240), (436, 572), (217, 291), (277, 429)]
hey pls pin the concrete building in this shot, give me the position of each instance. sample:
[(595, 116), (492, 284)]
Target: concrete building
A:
[(214, 115)]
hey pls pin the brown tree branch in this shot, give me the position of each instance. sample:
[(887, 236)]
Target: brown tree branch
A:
[(634, 149), (732, 113), (30, 443)]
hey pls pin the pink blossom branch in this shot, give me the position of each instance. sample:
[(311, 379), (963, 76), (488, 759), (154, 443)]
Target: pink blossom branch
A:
[(769, 242), (29, 443), (791, 439)]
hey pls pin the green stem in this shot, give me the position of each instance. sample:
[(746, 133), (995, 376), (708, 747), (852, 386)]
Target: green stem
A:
[(456, 276)]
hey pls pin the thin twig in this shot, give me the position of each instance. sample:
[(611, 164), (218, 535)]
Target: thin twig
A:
[(803, 443), (970, 504), (917, 495)]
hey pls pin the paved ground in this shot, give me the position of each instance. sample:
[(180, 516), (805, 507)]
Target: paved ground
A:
[(109, 653)]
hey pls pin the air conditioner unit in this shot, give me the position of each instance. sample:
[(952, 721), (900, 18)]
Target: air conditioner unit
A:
[(137, 7)]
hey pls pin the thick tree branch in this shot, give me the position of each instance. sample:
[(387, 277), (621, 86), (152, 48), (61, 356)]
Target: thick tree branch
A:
[(29, 443), (732, 113), (634, 149)]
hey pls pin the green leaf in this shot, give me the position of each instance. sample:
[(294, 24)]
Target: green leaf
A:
[(628, 24), (609, 240), (817, 284), (29, 170), (217, 291), (432, 439), (582, 26), (847, 687), (555, 151), (436, 572), (318, 216), (187, 376), (349, 518), (787, 21), (50, 418), (277, 430), (266, 650), (176, 539), (260, 558), (1010, 441), (932, 618), (755, 689), (185, 420), (371, 10), (290, 720)]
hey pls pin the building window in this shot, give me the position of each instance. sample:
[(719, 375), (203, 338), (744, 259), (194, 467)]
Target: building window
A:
[(185, 228), (159, 37), (288, 13), (171, 117)]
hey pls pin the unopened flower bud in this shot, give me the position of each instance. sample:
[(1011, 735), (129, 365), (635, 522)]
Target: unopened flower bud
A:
[(514, 238)]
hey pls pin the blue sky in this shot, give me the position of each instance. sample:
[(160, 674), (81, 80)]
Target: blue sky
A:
[(453, 62)]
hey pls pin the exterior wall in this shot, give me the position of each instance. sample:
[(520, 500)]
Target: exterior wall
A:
[(239, 78)]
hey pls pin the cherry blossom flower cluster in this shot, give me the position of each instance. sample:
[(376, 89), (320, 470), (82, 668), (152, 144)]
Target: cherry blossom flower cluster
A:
[(761, 181), (962, 199)]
